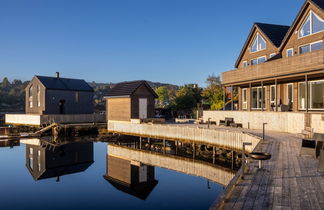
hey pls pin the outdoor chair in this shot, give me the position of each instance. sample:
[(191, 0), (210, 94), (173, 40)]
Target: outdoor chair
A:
[(228, 121)]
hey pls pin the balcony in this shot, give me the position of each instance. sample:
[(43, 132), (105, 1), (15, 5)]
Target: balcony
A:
[(276, 68)]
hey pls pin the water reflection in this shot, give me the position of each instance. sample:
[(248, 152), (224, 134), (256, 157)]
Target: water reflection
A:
[(44, 160), (132, 177), (11, 143)]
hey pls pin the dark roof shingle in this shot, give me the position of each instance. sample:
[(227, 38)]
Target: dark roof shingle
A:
[(275, 33), (128, 88), (319, 3), (64, 83)]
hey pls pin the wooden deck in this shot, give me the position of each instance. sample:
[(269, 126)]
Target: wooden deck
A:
[(288, 181)]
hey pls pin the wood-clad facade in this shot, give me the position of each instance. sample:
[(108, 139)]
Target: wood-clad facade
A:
[(130, 100), (291, 78), (55, 95)]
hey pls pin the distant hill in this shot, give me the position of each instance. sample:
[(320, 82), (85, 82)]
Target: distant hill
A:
[(12, 94)]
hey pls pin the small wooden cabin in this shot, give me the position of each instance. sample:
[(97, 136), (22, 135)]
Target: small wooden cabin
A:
[(56, 95), (130, 100)]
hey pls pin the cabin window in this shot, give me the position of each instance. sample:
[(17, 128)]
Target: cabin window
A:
[(30, 99), (258, 60), (244, 64), (272, 55), (290, 52), (77, 95), (38, 96), (316, 94), (311, 47), (258, 97), (244, 99), (313, 24), (302, 95), (272, 95), (258, 44)]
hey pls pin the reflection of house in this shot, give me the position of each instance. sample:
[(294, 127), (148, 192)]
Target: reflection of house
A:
[(56, 95), (10, 143), (130, 100), (130, 176), (45, 163)]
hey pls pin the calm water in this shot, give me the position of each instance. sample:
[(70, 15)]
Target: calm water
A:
[(84, 176)]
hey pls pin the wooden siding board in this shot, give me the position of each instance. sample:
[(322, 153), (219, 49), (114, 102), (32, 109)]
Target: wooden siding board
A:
[(119, 109)]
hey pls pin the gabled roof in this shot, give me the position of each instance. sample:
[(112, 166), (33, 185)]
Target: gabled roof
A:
[(274, 33), (128, 88), (318, 3), (54, 83)]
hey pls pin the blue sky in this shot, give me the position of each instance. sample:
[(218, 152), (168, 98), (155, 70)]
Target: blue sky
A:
[(173, 41)]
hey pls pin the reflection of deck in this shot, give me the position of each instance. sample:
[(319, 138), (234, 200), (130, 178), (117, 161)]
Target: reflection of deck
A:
[(209, 171)]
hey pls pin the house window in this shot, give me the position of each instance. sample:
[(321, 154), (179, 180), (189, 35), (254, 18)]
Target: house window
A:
[(244, 64), (77, 95), (30, 99), (313, 24), (302, 96), (258, 97), (290, 52), (290, 95), (273, 96), (258, 44), (38, 96), (258, 60), (31, 160), (272, 55), (316, 94), (311, 47), (244, 99)]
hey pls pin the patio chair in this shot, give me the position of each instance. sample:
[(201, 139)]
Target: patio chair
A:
[(228, 121)]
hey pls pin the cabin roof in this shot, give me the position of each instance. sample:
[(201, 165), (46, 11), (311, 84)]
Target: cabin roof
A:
[(275, 33), (128, 88), (54, 83)]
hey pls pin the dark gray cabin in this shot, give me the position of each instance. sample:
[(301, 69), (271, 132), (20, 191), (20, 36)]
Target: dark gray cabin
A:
[(55, 95)]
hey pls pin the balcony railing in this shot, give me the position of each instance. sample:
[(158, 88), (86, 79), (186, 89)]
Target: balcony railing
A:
[(276, 68)]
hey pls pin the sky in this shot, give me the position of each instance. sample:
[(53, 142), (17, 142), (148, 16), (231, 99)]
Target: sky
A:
[(170, 41)]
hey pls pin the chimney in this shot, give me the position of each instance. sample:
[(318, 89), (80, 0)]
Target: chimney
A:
[(57, 75)]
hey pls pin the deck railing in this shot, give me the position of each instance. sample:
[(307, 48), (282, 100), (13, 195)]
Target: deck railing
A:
[(280, 67)]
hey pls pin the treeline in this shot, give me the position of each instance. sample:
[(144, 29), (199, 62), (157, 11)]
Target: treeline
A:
[(189, 98)]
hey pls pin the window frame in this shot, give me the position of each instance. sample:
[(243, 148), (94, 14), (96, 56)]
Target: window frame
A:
[(310, 95), (258, 96), (292, 92), (275, 93), (292, 50), (311, 24), (256, 38), (310, 46), (246, 64), (244, 102)]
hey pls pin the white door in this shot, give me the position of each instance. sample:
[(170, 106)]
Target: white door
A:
[(143, 108)]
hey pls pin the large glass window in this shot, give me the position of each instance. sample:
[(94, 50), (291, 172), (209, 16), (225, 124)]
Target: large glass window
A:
[(258, 60), (258, 98), (290, 95), (317, 94), (312, 24), (272, 96), (254, 62), (244, 98), (258, 44), (311, 47), (302, 96), (261, 59)]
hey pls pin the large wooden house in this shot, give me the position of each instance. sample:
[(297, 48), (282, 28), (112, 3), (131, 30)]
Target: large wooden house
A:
[(281, 68), (130, 100)]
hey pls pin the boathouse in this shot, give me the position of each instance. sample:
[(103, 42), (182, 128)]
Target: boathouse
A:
[(279, 75), (130, 100), (56, 95), (59, 100)]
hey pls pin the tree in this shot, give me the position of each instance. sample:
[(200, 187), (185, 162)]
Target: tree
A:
[(213, 93), (187, 97), (163, 96), (5, 83)]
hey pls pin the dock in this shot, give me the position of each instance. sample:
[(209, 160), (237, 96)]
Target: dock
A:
[(287, 180)]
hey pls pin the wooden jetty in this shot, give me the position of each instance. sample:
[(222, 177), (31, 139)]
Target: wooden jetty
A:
[(288, 180)]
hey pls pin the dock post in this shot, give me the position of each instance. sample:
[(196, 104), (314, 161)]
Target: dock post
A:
[(243, 157), (163, 146), (193, 150), (214, 155), (140, 142)]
